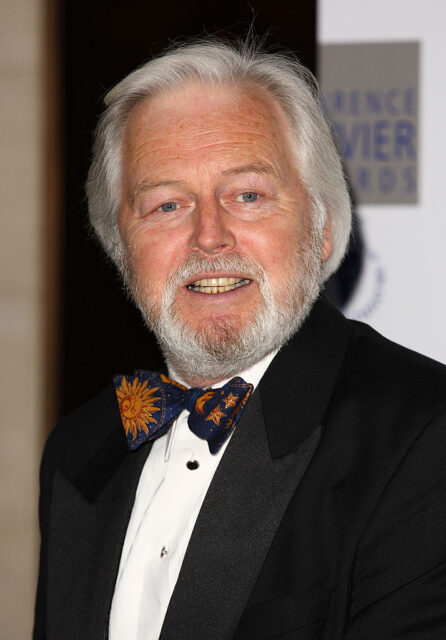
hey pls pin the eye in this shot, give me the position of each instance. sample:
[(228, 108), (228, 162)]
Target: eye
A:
[(248, 196), (167, 207)]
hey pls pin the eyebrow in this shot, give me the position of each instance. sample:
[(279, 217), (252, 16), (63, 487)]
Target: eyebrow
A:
[(260, 169), (142, 187)]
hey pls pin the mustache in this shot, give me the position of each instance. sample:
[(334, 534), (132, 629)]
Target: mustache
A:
[(194, 265)]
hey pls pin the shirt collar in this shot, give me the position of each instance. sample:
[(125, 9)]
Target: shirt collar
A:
[(252, 374)]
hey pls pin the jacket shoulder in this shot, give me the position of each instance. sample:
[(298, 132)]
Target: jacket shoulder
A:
[(391, 374), (377, 346)]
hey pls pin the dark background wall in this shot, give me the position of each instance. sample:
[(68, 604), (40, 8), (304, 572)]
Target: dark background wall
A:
[(101, 333)]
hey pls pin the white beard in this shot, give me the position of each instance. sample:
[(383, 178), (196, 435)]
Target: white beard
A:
[(219, 350)]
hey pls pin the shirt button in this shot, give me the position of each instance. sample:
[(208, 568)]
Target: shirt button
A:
[(192, 465), (164, 552)]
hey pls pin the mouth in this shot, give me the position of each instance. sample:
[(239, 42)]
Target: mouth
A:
[(217, 285)]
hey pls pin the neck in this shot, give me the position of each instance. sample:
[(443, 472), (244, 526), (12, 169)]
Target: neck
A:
[(251, 374), (195, 381)]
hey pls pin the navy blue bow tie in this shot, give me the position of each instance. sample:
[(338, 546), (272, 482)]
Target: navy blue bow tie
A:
[(149, 402)]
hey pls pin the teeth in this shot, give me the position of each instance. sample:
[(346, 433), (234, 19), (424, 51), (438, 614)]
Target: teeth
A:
[(217, 285)]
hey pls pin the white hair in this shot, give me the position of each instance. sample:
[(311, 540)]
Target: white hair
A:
[(289, 83)]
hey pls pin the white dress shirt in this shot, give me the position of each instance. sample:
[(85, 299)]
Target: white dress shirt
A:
[(167, 503)]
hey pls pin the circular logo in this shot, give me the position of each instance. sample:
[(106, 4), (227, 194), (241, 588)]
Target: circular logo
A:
[(369, 293)]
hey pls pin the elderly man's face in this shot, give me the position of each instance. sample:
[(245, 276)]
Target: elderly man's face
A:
[(209, 182)]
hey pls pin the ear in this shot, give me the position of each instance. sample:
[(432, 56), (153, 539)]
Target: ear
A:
[(327, 240)]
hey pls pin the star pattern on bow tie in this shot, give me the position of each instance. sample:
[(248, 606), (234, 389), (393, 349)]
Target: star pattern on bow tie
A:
[(230, 400), (215, 415)]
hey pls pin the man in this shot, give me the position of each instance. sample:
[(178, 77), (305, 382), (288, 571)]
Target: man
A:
[(318, 510)]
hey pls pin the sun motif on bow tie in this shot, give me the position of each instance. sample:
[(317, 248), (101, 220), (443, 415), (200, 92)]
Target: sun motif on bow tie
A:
[(137, 405)]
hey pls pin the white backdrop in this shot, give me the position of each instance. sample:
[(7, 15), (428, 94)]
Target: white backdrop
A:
[(402, 291)]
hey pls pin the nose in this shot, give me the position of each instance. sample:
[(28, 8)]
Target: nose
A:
[(211, 234)]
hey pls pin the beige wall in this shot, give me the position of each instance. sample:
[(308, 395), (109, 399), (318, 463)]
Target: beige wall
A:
[(21, 175)]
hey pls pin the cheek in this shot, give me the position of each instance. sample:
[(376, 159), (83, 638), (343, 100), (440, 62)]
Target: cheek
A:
[(274, 248), (148, 271), (154, 259)]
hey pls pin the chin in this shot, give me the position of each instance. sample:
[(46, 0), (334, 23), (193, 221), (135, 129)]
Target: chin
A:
[(219, 349)]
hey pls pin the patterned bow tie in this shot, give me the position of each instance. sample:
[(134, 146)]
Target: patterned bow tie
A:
[(150, 401)]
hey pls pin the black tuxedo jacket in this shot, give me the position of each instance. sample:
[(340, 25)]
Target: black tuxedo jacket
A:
[(326, 517)]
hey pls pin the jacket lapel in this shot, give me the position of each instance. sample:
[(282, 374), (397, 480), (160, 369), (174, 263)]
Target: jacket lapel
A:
[(298, 386), (242, 510), (92, 499), (262, 467)]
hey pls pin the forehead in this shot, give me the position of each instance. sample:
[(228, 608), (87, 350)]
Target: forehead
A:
[(199, 116)]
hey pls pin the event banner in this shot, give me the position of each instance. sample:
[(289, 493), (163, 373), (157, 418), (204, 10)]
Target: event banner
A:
[(380, 65)]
